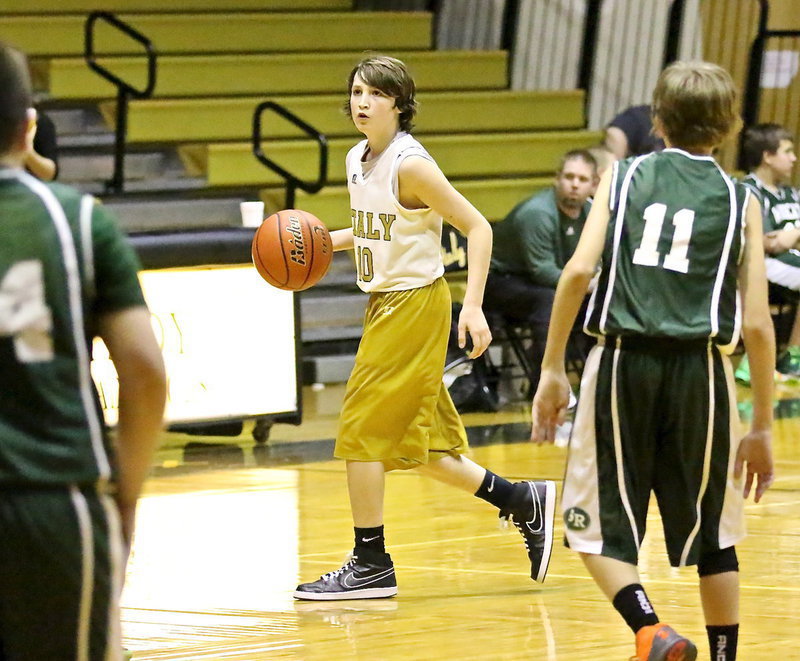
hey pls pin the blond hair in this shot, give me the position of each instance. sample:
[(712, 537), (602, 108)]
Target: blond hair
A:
[(695, 104)]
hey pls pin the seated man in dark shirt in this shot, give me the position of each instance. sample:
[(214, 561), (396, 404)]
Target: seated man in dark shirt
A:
[(631, 133), (533, 243)]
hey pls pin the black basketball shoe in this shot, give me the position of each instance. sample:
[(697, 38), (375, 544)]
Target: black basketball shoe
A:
[(367, 574), (532, 510)]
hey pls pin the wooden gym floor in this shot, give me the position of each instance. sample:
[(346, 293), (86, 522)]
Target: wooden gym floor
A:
[(227, 529)]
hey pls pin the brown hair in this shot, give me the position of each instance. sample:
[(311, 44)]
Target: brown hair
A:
[(759, 139), (695, 102), (15, 95), (391, 77), (577, 154)]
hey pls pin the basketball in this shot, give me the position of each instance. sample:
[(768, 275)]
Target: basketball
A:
[(292, 250)]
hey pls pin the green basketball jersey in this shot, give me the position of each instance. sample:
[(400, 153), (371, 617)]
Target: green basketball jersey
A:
[(62, 261), (674, 241), (780, 210)]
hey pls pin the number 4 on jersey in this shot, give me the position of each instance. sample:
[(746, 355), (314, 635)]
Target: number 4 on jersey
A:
[(647, 253), (24, 315)]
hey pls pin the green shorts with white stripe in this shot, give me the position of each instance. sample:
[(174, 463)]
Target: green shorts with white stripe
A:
[(61, 565), (654, 416)]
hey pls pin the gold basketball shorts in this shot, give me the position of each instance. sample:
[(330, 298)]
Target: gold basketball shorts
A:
[(396, 408)]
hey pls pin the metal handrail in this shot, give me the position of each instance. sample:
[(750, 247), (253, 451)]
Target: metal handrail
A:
[(124, 89), (675, 22), (591, 30), (751, 105), (752, 96), (292, 182)]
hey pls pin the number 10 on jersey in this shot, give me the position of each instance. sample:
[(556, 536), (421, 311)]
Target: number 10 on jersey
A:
[(364, 263)]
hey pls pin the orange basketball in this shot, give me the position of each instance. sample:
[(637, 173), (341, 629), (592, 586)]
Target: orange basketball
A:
[(292, 249)]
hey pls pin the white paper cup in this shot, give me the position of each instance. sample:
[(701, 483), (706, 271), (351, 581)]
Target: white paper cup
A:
[(252, 213)]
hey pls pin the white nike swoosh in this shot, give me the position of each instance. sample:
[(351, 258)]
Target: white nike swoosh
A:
[(537, 507), (491, 486), (352, 581), (369, 539)]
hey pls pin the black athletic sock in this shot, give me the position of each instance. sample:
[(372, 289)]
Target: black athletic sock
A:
[(370, 538), (632, 603), (723, 640), (495, 490)]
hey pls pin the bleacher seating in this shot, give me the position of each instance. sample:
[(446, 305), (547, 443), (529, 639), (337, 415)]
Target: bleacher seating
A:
[(459, 156), (185, 32), (267, 73), (494, 197), (189, 161), (225, 118), (33, 7)]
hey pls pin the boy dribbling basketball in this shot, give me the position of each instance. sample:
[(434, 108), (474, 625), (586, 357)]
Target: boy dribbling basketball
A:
[(397, 414), (681, 252)]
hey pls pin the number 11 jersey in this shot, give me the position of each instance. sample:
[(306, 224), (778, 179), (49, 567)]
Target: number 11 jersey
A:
[(673, 246)]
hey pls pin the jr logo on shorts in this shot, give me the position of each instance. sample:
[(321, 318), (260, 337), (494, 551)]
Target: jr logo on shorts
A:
[(576, 519)]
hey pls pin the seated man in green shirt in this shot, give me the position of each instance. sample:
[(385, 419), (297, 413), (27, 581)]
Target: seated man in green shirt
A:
[(533, 243)]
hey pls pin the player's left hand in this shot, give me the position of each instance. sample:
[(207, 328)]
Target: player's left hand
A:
[(549, 407), (473, 321), (755, 450)]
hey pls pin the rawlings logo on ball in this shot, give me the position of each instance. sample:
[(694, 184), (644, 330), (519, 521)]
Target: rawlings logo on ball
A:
[(292, 249), (298, 253)]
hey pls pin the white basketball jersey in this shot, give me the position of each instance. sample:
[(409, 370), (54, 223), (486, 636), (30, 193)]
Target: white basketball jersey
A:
[(395, 248)]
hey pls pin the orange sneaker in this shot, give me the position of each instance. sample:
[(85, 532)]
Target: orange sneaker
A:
[(660, 642)]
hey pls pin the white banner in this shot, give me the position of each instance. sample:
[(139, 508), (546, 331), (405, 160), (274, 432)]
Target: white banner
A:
[(228, 340)]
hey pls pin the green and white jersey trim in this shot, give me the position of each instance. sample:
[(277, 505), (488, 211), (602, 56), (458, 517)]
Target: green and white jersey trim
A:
[(673, 256), (87, 206), (619, 219), (74, 286)]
